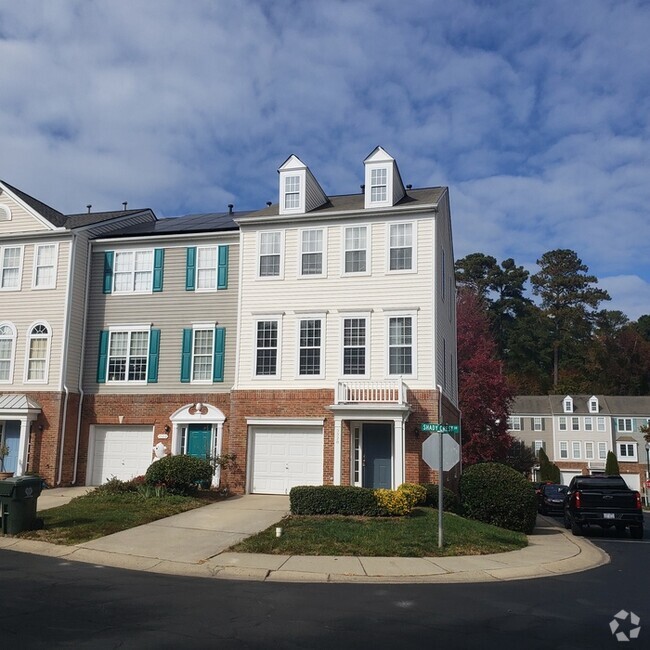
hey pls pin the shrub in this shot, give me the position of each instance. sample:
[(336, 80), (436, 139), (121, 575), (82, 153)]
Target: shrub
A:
[(179, 474), (416, 494), (113, 486), (499, 495), (611, 464), (548, 471), (451, 502), (332, 500), (394, 503)]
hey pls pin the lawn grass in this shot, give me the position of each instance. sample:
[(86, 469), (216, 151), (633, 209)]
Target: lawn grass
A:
[(415, 535), (96, 515)]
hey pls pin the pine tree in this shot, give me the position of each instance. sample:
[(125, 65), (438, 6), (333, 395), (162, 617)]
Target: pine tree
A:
[(611, 465)]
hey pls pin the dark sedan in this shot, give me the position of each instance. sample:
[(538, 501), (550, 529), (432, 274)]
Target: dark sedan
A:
[(551, 498)]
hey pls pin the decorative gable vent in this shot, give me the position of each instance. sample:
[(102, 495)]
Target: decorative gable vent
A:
[(5, 213), (299, 189), (383, 183)]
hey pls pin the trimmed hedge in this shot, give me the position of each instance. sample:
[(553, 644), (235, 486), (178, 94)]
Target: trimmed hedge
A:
[(394, 503), (451, 502), (333, 500), (180, 474), (497, 494)]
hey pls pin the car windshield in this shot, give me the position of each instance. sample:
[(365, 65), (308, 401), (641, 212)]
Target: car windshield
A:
[(555, 490)]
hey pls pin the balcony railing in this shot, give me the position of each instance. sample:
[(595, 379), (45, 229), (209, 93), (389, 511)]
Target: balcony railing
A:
[(371, 392)]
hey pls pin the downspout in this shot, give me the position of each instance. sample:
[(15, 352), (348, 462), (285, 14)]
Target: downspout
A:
[(81, 366)]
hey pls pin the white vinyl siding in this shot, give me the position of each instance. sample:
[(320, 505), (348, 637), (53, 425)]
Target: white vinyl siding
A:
[(45, 264), (128, 353), (133, 271), (11, 261)]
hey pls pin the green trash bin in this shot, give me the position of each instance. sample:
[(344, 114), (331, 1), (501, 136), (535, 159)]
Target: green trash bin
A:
[(18, 498)]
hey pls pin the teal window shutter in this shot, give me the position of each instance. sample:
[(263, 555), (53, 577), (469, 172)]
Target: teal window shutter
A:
[(219, 353), (154, 355), (186, 356), (222, 271), (108, 271), (158, 264), (190, 269), (102, 360)]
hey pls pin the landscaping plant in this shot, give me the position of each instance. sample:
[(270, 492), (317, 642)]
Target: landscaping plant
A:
[(180, 474)]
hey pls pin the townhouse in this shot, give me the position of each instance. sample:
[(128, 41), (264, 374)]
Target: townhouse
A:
[(578, 431)]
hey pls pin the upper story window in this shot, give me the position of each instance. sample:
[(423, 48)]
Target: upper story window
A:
[(38, 351), (589, 450), (311, 252), (568, 405), (310, 347), (538, 424), (514, 423), (627, 451), (202, 354), (400, 345), (562, 423), (624, 424), (600, 423), (575, 449), (291, 192), (564, 449), (270, 254), (133, 272), (400, 247), (355, 345), (45, 262), (11, 259), (378, 187), (267, 344), (206, 268), (7, 350), (593, 405), (202, 359), (589, 424), (602, 450), (575, 423), (356, 249)]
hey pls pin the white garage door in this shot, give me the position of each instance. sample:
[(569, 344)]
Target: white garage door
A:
[(568, 475), (123, 452), (283, 457), (633, 481)]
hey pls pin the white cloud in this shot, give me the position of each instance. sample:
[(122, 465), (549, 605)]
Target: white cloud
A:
[(630, 294)]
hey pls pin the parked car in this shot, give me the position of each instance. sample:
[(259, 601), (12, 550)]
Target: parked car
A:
[(604, 501), (551, 498), (538, 485)]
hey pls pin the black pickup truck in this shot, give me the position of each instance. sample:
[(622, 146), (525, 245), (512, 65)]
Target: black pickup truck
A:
[(602, 501)]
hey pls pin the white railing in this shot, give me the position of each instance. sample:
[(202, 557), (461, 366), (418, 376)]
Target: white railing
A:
[(370, 392)]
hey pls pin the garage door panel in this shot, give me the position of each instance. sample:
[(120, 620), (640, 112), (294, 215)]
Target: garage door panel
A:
[(123, 452), (633, 481)]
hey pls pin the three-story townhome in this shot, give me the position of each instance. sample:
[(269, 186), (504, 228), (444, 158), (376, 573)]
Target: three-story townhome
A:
[(43, 276), (347, 332)]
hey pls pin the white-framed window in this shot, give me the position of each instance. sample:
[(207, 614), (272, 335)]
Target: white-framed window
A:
[(562, 423), (589, 423), (133, 271), (355, 346), (401, 249), (292, 192), (600, 423), (7, 352), (593, 404), (207, 262), (538, 424), (356, 250), (602, 451), (267, 343), (624, 425), (45, 264), (627, 451), (310, 347), (568, 405), (564, 449), (537, 445), (128, 355), (270, 254), (589, 450), (378, 185), (401, 342), (575, 423), (514, 423), (202, 353), (575, 449), (312, 244), (39, 336), (11, 267)]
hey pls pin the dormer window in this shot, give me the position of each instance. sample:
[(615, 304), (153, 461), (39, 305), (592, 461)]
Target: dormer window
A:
[(299, 190), (378, 185), (593, 404), (568, 405), (292, 192), (383, 183)]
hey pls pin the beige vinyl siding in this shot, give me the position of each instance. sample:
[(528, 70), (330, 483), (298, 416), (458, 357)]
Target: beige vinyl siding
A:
[(22, 220), (171, 311)]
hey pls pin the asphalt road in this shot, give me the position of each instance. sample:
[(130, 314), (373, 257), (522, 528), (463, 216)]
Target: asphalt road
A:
[(50, 603)]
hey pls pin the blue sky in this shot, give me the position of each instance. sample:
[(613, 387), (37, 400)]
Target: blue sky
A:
[(535, 114)]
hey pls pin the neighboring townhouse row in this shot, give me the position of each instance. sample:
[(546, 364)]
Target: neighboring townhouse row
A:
[(308, 338), (578, 431)]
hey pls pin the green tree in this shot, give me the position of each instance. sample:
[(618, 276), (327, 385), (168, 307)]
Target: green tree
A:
[(548, 471), (611, 464), (520, 457)]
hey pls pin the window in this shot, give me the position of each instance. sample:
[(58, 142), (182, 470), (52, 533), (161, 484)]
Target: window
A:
[(133, 271), (575, 424), (627, 451), (514, 423), (311, 252), (45, 266), (589, 424), (38, 347), (602, 450), (589, 450), (206, 267), (378, 191), (266, 361), (600, 423), (564, 449), (270, 254), (562, 423), (10, 267), (400, 247), (537, 424), (356, 249), (354, 346), (128, 355), (311, 336), (537, 445), (202, 354), (575, 449), (593, 405), (7, 348), (292, 192), (400, 345), (568, 405), (624, 424)]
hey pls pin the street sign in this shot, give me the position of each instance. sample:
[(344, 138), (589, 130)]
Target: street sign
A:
[(431, 451), (647, 485), (439, 428)]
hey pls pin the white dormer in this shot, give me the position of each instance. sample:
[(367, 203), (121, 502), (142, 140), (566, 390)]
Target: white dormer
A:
[(383, 183), (593, 404), (568, 404), (299, 190)]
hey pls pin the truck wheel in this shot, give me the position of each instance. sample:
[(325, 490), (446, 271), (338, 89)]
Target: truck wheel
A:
[(576, 528), (636, 532)]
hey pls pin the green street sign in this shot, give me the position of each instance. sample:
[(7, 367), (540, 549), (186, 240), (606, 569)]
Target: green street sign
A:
[(439, 428)]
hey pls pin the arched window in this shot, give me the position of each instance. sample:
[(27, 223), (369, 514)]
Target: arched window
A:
[(38, 352), (7, 350)]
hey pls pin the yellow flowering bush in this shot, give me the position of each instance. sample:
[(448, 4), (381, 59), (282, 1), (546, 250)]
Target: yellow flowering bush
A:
[(394, 503), (416, 494)]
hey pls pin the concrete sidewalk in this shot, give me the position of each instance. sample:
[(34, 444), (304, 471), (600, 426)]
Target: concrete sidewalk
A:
[(194, 543), (53, 497)]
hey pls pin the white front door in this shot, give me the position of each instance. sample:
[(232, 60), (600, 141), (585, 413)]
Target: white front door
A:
[(120, 451)]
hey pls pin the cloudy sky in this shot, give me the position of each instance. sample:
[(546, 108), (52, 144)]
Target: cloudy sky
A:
[(535, 114)]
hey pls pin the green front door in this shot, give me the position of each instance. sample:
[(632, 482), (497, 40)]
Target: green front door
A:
[(199, 437)]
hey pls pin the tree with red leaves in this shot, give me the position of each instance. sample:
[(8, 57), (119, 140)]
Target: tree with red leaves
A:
[(484, 392)]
